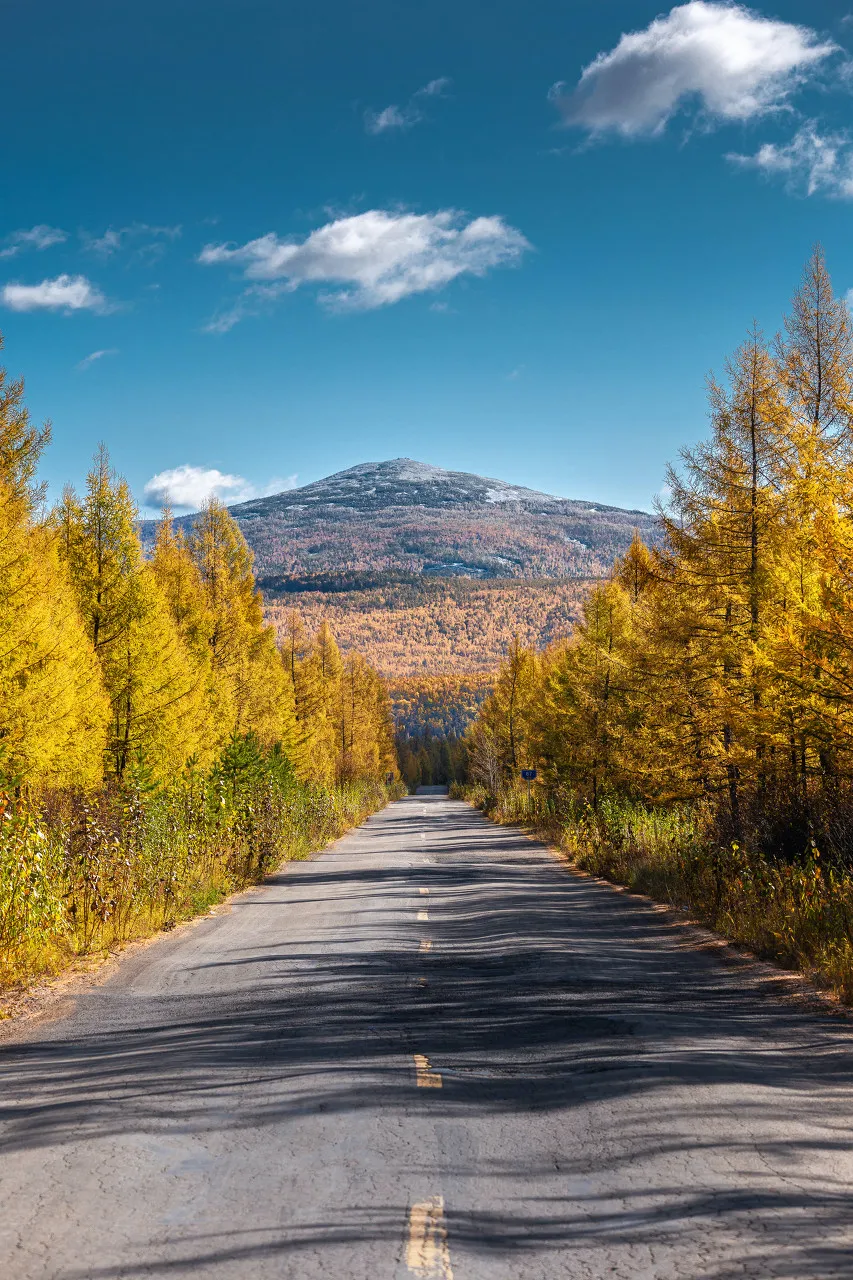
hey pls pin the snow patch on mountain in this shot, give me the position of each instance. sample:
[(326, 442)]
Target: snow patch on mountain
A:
[(501, 492)]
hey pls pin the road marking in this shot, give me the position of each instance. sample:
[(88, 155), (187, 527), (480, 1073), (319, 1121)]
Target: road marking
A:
[(423, 915), (427, 1254), (424, 892), (426, 944), (426, 1078)]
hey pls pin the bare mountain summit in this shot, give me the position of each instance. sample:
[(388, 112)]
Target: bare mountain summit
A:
[(403, 518), (400, 482)]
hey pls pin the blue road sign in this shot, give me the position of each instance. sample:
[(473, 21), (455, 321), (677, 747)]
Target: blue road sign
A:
[(528, 774)]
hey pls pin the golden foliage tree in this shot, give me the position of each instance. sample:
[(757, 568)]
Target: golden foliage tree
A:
[(52, 704), (154, 687), (243, 649), (717, 665), (343, 713)]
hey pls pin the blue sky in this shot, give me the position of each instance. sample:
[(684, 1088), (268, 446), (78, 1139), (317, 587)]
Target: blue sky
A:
[(244, 241)]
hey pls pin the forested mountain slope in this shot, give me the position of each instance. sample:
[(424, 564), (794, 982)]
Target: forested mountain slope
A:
[(427, 627)]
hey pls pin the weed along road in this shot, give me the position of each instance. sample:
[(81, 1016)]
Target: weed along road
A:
[(431, 1051)]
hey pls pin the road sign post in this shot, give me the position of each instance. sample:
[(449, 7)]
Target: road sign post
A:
[(529, 775)]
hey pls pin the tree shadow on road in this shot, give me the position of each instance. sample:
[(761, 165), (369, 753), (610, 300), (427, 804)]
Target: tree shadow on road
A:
[(542, 994)]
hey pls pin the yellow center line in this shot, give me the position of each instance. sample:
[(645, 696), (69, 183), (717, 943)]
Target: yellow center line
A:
[(426, 1078), (427, 1254), (426, 944), (423, 915)]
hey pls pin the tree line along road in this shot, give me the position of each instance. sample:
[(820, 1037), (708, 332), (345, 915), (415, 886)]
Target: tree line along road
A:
[(431, 1051)]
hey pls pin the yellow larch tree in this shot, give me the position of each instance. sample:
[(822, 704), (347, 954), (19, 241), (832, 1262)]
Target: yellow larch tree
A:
[(155, 689), (813, 469), (243, 648), (503, 740), (53, 708), (180, 581)]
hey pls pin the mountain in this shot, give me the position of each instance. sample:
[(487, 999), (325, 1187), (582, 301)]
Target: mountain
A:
[(403, 519), (430, 572)]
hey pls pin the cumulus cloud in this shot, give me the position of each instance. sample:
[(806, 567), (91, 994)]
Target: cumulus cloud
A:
[(39, 237), (96, 355), (64, 293), (395, 117), (812, 162), (373, 259), (735, 63), (146, 240), (188, 488)]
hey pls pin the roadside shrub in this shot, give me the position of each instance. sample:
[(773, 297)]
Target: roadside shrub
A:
[(82, 872)]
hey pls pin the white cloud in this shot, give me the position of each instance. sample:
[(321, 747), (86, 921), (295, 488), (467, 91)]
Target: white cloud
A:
[(96, 355), (374, 258), (148, 240), (188, 487), (226, 319), (663, 497), (811, 162), (65, 293), (39, 237), (736, 63), (435, 88), (411, 113), (392, 117), (278, 484), (254, 300)]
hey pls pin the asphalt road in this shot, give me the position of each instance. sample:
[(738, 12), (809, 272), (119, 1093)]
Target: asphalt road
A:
[(431, 1051)]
